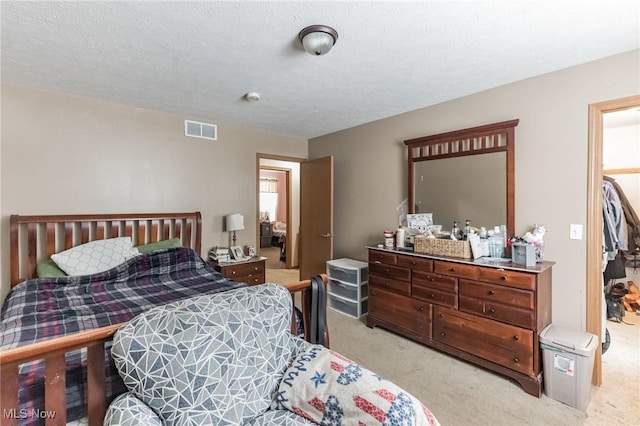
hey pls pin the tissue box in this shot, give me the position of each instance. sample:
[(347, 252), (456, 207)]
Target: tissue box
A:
[(523, 254)]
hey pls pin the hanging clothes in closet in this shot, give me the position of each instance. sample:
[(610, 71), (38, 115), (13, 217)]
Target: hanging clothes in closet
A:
[(631, 218), (621, 228)]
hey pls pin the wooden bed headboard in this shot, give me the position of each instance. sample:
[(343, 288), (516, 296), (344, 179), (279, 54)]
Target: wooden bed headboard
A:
[(36, 238)]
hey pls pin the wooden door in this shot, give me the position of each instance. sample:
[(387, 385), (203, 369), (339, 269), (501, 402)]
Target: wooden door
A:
[(316, 216)]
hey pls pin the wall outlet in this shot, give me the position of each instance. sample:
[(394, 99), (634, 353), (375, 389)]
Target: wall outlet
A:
[(575, 231)]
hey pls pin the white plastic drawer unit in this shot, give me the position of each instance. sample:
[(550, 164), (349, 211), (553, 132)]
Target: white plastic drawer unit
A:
[(348, 286), (348, 270), (347, 307), (348, 291)]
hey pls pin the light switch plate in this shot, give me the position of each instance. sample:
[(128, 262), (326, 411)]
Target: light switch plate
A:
[(575, 231)]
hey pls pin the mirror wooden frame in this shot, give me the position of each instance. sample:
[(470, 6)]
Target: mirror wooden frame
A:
[(496, 137)]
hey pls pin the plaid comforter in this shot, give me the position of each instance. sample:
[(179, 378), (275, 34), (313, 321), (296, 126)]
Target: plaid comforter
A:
[(41, 309)]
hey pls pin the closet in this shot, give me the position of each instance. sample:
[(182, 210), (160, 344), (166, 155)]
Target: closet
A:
[(621, 236)]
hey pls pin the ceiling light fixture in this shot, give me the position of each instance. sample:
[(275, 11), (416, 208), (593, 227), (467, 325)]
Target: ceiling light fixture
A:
[(318, 39)]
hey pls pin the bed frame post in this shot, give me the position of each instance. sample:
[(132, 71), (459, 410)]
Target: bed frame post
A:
[(13, 251)]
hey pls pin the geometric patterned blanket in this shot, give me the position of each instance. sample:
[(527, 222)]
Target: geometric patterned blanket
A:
[(208, 360)]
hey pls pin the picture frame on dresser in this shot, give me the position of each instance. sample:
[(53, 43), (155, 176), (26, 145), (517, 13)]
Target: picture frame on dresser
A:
[(236, 252)]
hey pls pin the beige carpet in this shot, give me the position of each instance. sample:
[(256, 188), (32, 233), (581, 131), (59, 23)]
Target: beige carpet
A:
[(273, 257), (459, 393)]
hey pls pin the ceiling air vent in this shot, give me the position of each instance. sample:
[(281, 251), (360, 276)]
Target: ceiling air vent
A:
[(196, 129)]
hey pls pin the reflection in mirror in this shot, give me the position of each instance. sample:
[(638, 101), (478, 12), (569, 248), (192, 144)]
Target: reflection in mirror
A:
[(459, 188), (464, 174)]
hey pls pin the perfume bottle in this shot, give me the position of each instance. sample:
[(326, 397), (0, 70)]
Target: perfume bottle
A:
[(467, 229), (455, 231)]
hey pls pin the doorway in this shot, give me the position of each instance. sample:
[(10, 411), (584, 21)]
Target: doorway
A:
[(273, 205), (277, 234), (595, 318)]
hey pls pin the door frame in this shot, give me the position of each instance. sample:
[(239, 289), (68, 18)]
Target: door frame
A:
[(289, 239), (594, 219)]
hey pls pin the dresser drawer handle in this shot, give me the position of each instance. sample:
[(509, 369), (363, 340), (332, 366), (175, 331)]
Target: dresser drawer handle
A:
[(387, 285), (432, 296), (233, 272), (493, 311), (516, 360), (256, 268), (386, 269), (442, 333), (503, 278), (422, 308), (452, 269), (516, 337), (433, 280), (492, 292), (441, 315)]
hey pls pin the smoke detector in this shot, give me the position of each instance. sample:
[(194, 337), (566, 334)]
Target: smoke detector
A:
[(252, 96)]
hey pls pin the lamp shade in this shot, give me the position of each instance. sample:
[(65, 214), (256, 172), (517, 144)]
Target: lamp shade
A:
[(235, 222)]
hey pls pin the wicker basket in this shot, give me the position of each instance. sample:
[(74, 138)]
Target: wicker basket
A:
[(441, 247)]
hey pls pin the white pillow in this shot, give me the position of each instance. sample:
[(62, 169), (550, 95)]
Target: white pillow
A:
[(95, 256)]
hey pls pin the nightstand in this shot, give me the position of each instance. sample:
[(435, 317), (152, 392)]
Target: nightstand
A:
[(251, 271)]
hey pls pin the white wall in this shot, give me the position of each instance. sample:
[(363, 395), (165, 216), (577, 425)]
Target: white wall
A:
[(551, 164), (63, 154)]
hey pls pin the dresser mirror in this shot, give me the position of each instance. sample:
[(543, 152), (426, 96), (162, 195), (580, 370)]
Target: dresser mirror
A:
[(464, 174)]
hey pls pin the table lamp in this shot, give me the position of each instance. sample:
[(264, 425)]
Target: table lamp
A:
[(235, 222)]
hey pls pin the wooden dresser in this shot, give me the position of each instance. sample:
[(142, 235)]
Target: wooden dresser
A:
[(486, 312), (250, 271)]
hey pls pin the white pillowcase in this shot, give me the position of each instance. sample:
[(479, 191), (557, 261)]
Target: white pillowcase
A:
[(95, 256)]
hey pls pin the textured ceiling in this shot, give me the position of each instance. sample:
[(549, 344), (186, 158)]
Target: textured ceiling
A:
[(198, 59)]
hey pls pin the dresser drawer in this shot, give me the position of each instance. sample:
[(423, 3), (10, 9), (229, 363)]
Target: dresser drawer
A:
[(493, 275), (434, 288), (404, 312), (416, 263), (383, 257), (456, 269), (510, 305), (250, 272), (251, 279), (509, 278), (396, 286), (388, 271), (503, 344)]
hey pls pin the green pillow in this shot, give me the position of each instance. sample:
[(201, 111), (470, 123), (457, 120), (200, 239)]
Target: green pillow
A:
[(160, 245), (49, 269)]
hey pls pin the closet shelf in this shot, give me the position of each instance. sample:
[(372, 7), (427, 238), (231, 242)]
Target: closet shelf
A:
[(627, 171)]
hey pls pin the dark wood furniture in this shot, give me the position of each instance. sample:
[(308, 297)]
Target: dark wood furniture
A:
[(265, 234), (485, 312), (475, 141), (35, 238), (250, 271)]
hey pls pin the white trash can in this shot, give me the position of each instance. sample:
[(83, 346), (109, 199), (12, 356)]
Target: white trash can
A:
[(567, 359)]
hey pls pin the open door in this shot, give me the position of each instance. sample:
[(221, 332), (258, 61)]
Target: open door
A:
[(316, 216)]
